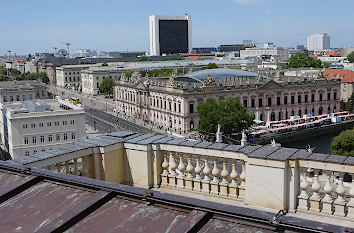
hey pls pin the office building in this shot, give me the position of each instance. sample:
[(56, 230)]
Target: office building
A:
[(277, 52), (69, 75), (318, 42), (170, 34), (30, 127)]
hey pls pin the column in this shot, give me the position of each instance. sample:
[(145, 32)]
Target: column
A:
[(214, 184), (189, 170), (164, 175), (206, 179), (315, 198), (339, 203), (224, 183), (76, 169), (241, 191), (303, 197), (172, 177), (327, 201), (197, 180), (67, 167), (180, 177)]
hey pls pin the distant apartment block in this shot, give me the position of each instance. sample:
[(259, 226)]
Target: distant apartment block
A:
[(30, 127), (170, 34), (318, 42)]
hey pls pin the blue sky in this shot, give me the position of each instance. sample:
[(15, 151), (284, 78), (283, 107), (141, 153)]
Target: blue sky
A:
[(29, 26)]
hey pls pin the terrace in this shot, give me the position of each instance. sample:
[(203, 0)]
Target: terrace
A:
[(269, 178)]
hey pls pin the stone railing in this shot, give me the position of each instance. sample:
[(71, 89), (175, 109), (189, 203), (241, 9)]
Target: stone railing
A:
[(260, 177)]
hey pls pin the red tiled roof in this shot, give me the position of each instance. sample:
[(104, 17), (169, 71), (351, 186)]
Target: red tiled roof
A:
[(331, 53), (344, 75), (194, 58)]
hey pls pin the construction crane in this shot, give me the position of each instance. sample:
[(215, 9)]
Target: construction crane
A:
[(68, 45), (55, 49)]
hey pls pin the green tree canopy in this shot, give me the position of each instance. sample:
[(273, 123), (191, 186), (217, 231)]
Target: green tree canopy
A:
[(33, 76), (211, 66), (157, 73), (5, 71), (349, 105), (104, 64), (129, 74), (351, 57), (106, 87), (143, 58), (343, 144), (230, 114), (303, 60)]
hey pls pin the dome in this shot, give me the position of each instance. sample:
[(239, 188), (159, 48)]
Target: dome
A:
[(220, 75)]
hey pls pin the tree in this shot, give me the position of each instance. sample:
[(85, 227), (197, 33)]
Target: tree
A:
[(143, 58), (106, 87), (351, 57), (349, 105), (104, 64), (343, 144), (230, 114), (129, 74), (34, 76), (302, 60), (326, 64), (211, 66)]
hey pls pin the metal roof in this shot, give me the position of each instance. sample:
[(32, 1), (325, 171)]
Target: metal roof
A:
[(219, 74), (35, 200)]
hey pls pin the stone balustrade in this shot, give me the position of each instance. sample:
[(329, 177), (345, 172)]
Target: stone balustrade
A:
[(260, 177)]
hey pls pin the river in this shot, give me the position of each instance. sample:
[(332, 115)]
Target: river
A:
[(321, 143)]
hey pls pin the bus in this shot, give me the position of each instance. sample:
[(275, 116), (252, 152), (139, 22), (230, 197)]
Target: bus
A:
[(75, 100)]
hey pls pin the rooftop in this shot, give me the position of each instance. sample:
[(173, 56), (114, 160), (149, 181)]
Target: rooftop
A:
[(343, 75), (21, 85)]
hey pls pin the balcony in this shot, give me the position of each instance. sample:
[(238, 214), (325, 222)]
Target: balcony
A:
[(308, 185)]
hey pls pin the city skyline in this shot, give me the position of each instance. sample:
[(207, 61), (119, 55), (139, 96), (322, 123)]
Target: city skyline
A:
[(36, 26)]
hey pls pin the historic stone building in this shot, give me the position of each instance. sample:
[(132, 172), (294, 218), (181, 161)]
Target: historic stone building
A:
[(172, 102)]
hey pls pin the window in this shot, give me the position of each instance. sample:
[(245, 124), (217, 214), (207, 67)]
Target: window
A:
[(66, 79), (23, 97), (299, 98), (41, 124), (260, 102), (98, 84), (72, 122), (43, 150), (328, 96), (26, 140), (34, 140), (306, 98), (42, 139), (321, 97), (269, 102), (65, 122), (27, 153), (49, 123), (50, 138), (312, 97), (245, 102), (179, 107), (72, 135), (285, 100), (25, 126), (57, 137), (335, 95), (65, 136), (56, 123), (191, 108), (5, 98), (175, 107), (70, 79), (33, 125), (17, 97), (278, 100), (11, 98), (292, 99)]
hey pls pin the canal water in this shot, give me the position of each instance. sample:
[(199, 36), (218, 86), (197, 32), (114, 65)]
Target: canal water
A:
[(321, 143)]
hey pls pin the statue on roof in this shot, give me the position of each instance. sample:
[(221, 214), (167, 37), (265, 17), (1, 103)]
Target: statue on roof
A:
[(171, 82), (209, 81), (320, 75), (277, 76)]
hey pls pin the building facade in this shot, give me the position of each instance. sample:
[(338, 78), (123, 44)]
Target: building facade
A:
[(69, 75), (278, 52), (12, 91), (30, 127), (318, 42), (170, 34), (172, 103), (347, 81), (93, 77)]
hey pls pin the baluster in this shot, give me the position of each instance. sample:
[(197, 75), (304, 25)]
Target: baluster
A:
[(242, 187), (189, 170), (76, 169), (67, 166), (339, 203), (180, 177), (327, 201), (303, 197), (315, 198), (173, 166), (224, 183), (197, 180), (58, 165), (206, 179), (233, 187), (164, 175), (350, 204), (214, 184)]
